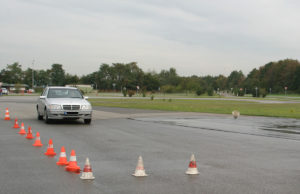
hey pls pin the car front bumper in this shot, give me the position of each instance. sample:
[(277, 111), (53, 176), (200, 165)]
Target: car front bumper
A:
[(71, 114)]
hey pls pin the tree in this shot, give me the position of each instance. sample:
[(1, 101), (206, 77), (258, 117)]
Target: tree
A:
[(169, 77), (57, 75), (235, 79), (71, 79), (42, 77), (12, 74)]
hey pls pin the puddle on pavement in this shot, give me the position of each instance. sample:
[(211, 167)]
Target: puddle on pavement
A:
[(261, 126)]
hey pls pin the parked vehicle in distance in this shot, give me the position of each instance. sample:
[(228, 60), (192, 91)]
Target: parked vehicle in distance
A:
[(4, 91), (30, 91), (63, 103)]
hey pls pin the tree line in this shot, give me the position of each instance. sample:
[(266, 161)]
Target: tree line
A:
[(273, 77)]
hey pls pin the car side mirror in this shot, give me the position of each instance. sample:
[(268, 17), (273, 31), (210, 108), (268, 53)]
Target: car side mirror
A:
[(42, 97), (86, 97)]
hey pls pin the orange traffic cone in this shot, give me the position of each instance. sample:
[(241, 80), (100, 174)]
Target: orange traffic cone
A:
[(140, 170), (50, 150), (87, 173), (7, 118), (29, 133), (16, 126), (22, 129), (62, 157), (73, 167), (192, 166), (37, 142)]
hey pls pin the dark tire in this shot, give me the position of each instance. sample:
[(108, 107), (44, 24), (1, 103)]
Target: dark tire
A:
[(87, 121), (39, 117), (47, 120)]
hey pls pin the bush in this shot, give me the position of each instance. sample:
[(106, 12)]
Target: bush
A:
[(38, 90), (210, 91), (131, 93), (168, 89), (152, 97), (263, 92), (124, 92), (170, 100), (199, 91)]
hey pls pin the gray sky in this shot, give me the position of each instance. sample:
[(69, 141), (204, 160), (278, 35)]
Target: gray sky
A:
[(197, 37)]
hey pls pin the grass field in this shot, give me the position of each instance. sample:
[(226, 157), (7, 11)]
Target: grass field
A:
[(289, 110)]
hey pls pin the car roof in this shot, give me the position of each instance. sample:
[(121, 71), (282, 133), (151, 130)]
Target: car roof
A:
[(61, 87)]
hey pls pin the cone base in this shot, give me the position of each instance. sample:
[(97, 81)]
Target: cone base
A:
[(50, 154), (21, 133), (192, 171), (139, 173), (87, 176), (37, 145), (29, 137), (75, 169), (7, 119), (16, 127), (62, 163)]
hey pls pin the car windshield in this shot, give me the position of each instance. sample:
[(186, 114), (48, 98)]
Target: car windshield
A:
[(63, 93)]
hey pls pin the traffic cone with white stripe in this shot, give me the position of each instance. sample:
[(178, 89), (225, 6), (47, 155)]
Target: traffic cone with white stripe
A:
[(73, 167), (16, 126), (22, 129), (235, 114), (37, 142), (29, 133), (140, 170), (50, 150), (87, 173), (62, 157), (7, 117), (192, 166)]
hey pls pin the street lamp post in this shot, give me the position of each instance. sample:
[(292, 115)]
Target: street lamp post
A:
[(270, 91), (32, 74)]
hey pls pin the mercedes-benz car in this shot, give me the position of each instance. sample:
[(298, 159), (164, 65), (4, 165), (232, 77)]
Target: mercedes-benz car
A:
[(63, 103)]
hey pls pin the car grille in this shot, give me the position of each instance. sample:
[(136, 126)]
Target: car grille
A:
[(71, 107)]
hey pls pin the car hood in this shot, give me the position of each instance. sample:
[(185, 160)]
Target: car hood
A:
[(68, 101)]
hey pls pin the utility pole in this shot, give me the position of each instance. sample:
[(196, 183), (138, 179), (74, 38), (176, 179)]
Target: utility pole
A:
[(32, 74)]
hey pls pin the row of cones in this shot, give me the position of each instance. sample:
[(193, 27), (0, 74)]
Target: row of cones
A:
[(140, 170), (71, 166)]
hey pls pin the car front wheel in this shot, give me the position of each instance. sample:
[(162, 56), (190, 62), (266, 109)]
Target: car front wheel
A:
[(87, 121), (46, 117), (39, 117)]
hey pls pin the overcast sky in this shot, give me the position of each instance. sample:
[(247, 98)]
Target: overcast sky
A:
[(197, 37)]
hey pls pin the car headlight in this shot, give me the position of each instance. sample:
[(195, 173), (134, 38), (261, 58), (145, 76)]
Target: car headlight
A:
[(86, 107), (54, 107)]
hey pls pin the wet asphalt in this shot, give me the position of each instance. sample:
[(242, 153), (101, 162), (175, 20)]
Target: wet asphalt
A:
[(233, 156)]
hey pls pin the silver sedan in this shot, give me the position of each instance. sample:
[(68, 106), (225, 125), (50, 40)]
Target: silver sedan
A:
[(63, 103)]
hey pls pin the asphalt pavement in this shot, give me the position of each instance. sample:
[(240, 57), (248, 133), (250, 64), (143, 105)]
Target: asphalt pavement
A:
[(233, 156)]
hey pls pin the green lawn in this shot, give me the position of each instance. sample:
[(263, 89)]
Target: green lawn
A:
[(290, 110)]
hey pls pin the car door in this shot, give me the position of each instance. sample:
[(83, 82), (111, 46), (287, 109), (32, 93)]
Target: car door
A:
[(41, 104)]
